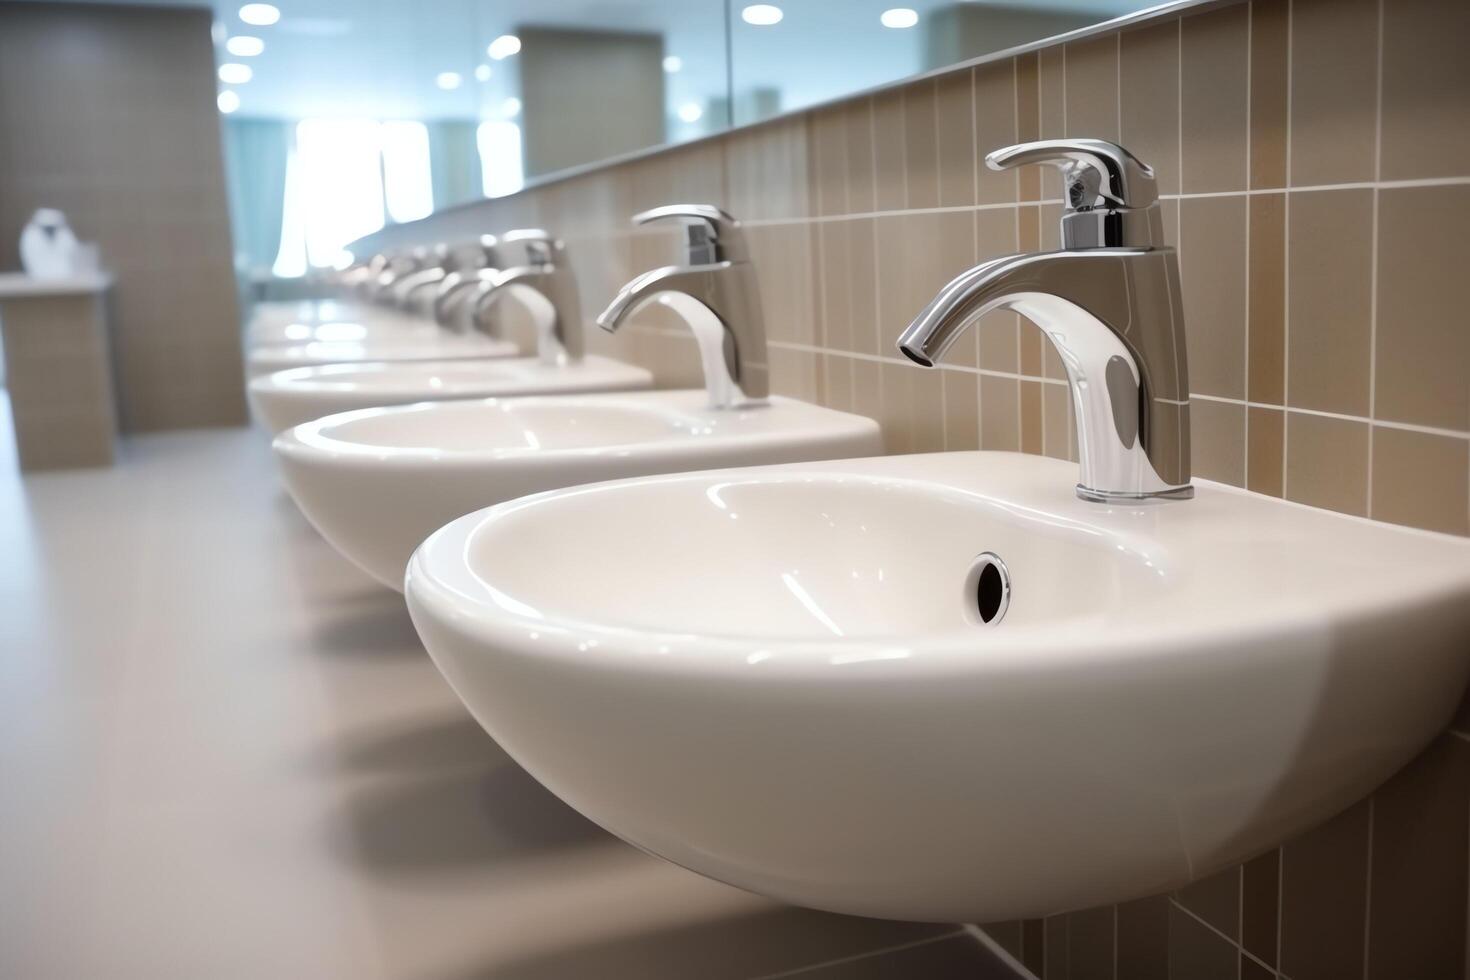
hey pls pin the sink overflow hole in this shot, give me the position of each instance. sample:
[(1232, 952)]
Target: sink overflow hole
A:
[(992, 588)]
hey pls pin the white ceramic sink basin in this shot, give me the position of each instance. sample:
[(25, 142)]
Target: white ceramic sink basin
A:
[(430, 343), (376, 482), (289, 398), (779, 677)]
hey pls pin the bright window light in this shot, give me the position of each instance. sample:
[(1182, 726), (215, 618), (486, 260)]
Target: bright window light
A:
[(673, 63), (691, 112), (503, 47), (762, 14), (408, 186), (228, 101), (259, 14), (511, 107), (482, 73), (448, 80), (343, 182), (291, 256), (244, 46), (500, 157), (899, 18), (232, 73)]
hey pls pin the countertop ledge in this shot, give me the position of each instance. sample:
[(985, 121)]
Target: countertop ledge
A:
[(18, 285)]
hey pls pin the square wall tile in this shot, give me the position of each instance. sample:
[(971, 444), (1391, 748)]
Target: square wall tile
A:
[(1092, 86), (1259, 903), (1214, 94), (1329, 274), (829, 160), (1270, 21), (1149, 86), (1212, 267), (1324, 893), (1265, 430), (1426, 84), (921, 143), (1327, 463), (889, 168), (1143, 939), (1196, 952), (955, 95), (1423, 333), (1266, 303), (1334, 90), (1216, 900), (1090, 944), (961, 410), (848, 271), (1217, 442), (996, 110), (785, 257), (1000, 413), (857, 125), (1418, 906), (1421, 479)]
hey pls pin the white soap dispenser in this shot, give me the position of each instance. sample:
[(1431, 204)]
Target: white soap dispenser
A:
[(48, 249)]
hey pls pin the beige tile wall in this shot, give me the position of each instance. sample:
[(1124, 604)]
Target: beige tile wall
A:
[(108, 113), (1315, 161)]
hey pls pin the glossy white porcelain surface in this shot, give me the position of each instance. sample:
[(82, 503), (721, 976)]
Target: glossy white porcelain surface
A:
[(419, 343), (777, 676), (376, 482), (287, 398)]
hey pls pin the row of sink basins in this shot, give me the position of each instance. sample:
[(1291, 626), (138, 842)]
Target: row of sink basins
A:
[(931, 687)]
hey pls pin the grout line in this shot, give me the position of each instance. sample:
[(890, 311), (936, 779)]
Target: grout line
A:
[(1245, 470), (1368, 891), (899, 947), (1000, 952), (1286, 274), (1428, 430), (1235, 944), (902, 362), (1373, 276), (1240, 880)]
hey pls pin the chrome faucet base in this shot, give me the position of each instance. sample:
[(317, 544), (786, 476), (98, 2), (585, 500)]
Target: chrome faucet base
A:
[(1185, 492)]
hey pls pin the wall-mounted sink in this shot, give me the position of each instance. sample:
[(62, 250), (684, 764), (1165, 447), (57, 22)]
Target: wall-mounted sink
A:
[(782, 677), (287, 398), (376, 482)]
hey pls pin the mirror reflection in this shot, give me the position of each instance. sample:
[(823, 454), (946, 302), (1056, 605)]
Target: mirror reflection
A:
[(342, 117)]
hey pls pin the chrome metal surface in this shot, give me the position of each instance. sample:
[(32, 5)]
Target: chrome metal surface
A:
[(715, 293), (547, 288), (1115, 316), (984, 560), (475, 265)]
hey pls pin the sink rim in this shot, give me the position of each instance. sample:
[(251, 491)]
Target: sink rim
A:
[(308, 441), (360, 377), (437, 577)]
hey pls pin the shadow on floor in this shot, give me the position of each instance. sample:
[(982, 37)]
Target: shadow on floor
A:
[(460, 821), (447, 742), (739, 947), (367, 624)]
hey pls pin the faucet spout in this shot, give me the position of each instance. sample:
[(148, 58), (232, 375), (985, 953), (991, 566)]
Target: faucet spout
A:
[(716, 296), (1115, 317), (550, 296)]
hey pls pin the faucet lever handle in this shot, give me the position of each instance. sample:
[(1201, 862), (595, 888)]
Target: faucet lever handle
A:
[(540, 244), (1099, 175), (712, 235)]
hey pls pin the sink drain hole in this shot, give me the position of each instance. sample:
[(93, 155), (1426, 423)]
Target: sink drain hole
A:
[(991, 587)]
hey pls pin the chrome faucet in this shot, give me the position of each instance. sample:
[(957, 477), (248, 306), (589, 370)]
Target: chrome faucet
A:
[(546, 287), (1110, 302), (483, 263), (715, 293), (435, 268), (396, 267)]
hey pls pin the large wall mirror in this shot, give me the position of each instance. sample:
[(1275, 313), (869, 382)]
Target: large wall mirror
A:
[(344, 115)]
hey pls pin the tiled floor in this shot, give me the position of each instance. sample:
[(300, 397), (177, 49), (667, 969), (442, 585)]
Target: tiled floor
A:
[(223, 753)]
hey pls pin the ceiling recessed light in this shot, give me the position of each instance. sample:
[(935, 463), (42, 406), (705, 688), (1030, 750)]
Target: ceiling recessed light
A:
[(673, 63), (899, 18), (260, 14), (511, 107), (235, 74), (448, 80), (228, 101), (482, 73), (691, 112), (503, 47), (244, 46), (762, 14)]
